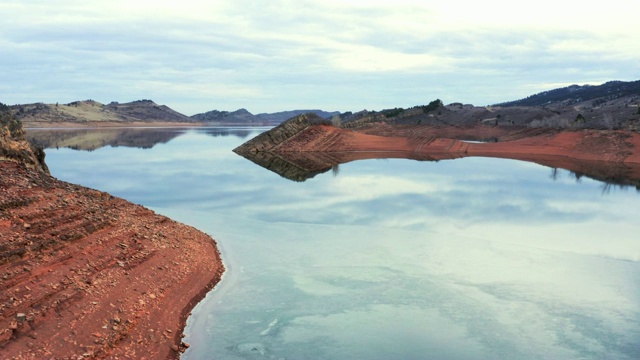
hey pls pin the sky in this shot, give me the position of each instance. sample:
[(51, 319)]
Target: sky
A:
[(335, 55)]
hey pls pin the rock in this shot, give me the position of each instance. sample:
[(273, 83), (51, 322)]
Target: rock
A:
[(274, 137), (6, 334)]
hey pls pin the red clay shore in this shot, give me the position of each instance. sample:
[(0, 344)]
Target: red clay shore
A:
[(305, 146), (422, 141), (525, 144), (84, 274)]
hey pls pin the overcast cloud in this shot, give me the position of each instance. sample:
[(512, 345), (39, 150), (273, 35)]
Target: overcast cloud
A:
[(269, 56)]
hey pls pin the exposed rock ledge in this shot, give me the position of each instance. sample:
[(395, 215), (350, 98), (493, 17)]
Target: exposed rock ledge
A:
[(85, 274)]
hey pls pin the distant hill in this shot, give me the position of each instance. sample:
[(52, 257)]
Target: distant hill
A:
[(575, 94), (279, 117), (90, 111), (242, 116), (613, 105), (146, 110)]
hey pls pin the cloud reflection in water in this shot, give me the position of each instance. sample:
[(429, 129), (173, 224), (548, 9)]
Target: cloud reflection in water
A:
[(470, 258)]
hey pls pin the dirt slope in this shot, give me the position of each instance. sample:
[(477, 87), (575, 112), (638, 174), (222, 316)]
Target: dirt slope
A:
[(85, 274)]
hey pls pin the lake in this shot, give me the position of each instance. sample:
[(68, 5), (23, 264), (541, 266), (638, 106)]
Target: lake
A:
[(475, 258)]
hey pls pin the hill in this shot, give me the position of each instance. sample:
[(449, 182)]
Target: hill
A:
[(613, 105), (93, 112), (240, 116), (281, 116), (576, 94), (140, 113), (244, 117)]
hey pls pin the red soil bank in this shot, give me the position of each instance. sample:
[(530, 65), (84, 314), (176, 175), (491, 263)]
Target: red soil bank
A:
[(84, 274), (523, 144)]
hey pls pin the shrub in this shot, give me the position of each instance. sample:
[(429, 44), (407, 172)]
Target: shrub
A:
[(10, 122), (393, 112), (435, 104)]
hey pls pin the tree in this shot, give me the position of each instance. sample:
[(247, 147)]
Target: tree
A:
[(437, 103), (393, 112)]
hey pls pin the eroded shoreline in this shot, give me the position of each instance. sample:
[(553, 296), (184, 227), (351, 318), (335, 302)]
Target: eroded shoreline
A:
[(306, 146), (85, 274)]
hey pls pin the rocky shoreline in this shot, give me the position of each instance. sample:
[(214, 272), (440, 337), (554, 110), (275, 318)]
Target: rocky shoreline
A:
[(84, 274)]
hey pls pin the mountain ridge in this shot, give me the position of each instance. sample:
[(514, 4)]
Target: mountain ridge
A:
[(575, 94), (90, 111), (612, 105), (243, 116), (139, 113)]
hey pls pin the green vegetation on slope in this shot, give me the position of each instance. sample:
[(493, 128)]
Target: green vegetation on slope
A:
[(13, 144), (8, 121)]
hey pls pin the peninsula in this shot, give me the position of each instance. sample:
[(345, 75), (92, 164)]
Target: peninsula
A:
[(590, 130)]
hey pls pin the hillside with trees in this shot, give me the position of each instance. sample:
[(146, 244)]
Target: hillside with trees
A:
[(613, 105)]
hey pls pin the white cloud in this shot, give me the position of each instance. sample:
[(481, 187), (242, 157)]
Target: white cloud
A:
[(276, 55)]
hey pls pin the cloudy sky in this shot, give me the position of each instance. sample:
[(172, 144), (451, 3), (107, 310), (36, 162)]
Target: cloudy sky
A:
[(267, 56)]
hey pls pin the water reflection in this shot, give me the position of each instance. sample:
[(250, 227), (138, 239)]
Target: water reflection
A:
[(301, 166), (90, 139), (615, 175), (477, 258), (215, 132)]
